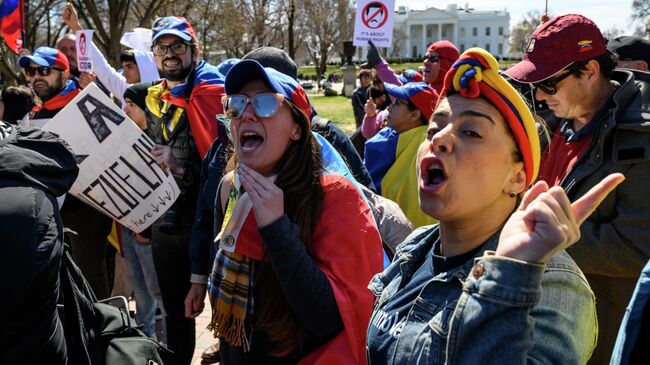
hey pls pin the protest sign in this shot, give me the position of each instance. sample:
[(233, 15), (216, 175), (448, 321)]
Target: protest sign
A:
[(84, 60), (117, 173), (374, 21)]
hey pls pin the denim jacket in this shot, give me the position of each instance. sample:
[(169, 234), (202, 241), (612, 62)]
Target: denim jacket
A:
[(489, 310)]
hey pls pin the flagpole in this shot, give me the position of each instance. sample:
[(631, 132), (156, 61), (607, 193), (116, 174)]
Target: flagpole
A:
[(22, 22)]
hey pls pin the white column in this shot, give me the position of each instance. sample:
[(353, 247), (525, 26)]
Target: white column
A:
[(455, 40), (439, 32), (407, 52), (424, 40)]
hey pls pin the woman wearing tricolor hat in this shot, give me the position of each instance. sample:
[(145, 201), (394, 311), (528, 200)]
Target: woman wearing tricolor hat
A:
[(490, 283), (297, 242)]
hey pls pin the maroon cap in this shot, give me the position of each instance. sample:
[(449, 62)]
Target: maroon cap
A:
[(557, 44)]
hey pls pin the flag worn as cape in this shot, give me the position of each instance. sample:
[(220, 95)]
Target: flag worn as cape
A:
[(401, 183), (379, 155), (202, 104), (12, 25)]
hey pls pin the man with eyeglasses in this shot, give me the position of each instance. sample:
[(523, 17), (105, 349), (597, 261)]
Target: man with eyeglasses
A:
[(604, 128), (438, 59), (181, 114), (47, 71)]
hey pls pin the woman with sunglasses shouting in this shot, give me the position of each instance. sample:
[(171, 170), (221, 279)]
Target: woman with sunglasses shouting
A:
[(490, 283), (297, 243)]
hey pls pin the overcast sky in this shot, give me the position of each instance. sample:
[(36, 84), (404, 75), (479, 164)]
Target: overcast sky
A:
[(605, 13)]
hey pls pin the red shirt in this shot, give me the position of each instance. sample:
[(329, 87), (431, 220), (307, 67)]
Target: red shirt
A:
[(560, 156)]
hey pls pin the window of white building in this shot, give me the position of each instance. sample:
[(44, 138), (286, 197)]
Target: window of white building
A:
[(462, 31), (487, 30), (487, 47), (462, 47), (500, 30), (475, 31), (500, 49)]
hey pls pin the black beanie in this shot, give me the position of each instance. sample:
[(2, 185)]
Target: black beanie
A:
[(137, 93)]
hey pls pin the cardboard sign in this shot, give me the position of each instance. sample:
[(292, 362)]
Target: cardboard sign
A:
[(117, 173), (374, 21), (84, 40)]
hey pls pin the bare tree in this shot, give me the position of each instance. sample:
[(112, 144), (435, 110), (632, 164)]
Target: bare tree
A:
[(640, 10), (521, 32)]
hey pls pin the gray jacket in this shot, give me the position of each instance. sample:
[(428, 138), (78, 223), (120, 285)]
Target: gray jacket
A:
[(615, 240)]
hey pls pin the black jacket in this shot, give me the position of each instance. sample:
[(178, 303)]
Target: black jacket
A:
[(35, 168)]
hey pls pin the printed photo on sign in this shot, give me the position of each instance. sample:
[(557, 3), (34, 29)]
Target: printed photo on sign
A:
[(84, 59), (118, 176), (374, 21)]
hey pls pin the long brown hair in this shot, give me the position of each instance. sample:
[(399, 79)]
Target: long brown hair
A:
[(298, 175)]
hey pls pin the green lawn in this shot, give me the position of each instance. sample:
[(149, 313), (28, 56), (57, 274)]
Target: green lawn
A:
[(309, 70), (337, 109)]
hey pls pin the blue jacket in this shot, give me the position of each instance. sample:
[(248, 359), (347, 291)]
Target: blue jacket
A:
[(489, 310), (629, 332)]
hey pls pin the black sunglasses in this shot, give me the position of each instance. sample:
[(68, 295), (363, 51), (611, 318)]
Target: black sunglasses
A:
[(43, 70), (550, 86), (432, 57), (177, 48)]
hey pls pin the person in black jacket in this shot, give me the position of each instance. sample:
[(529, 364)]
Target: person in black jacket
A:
[(360, 95), (35, 168)]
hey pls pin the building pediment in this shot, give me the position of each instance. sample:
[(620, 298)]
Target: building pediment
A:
[(431, 14)]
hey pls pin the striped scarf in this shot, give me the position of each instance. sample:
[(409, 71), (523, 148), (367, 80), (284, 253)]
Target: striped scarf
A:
[(231, 288)]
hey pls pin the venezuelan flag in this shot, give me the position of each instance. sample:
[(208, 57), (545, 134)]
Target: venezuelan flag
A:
[(12, 26)]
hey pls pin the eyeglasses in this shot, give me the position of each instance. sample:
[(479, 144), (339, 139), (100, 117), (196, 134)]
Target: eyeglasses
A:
[(43, 70), (264, 105), (177, 48), (432, 57), (550, 86)]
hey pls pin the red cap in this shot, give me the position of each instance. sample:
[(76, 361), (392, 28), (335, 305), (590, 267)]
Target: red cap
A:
[(556, 44)]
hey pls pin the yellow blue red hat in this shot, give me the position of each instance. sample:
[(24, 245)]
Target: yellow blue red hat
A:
[(476, 74)]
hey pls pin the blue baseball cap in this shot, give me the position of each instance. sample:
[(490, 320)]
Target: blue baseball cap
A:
[(174, 25), (420, 94), (46, 56), (249, 70)]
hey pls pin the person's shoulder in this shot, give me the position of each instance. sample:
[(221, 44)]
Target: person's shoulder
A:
[(418, 242)]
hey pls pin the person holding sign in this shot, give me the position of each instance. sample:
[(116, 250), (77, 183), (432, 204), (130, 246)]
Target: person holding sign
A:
[(293, 238), (491, 281), (180, 113), (48, 71)]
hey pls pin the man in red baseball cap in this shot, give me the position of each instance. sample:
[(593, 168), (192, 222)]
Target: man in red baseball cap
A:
[(604, 127)]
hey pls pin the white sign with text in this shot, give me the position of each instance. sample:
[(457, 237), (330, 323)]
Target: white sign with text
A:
[(117, 173), (374, 21), (84, 43)]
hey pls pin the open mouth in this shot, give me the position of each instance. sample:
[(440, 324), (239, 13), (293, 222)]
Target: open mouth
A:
[(250, 141), (433, 174)]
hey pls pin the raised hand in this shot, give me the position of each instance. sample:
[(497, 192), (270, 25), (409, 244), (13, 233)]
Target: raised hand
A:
[(373, 55), (267, 198), (70, 17), (370, 108), (546, 222)]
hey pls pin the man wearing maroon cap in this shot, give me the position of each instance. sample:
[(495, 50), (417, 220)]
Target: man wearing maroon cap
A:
[(604, 127)]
